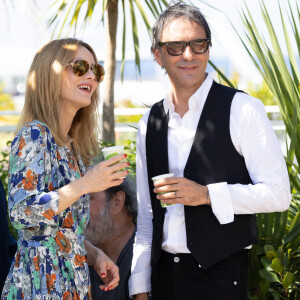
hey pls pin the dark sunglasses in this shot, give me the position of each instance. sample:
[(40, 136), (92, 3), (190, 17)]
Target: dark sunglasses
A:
[(81, 67), (177, 48)]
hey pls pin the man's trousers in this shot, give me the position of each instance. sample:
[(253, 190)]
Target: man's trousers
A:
[(179, 277)]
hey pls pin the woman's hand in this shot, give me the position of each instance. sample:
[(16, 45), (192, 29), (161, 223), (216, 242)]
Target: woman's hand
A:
[(104, 267), (99, 178), (107, 270), (105, 174)]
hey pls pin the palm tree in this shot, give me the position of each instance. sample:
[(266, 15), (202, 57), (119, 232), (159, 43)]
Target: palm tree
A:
[(72, 10)]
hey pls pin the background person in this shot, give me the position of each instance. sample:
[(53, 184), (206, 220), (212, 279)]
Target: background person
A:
[(4, 236), (112, 229), (228, 165), (48, 198)]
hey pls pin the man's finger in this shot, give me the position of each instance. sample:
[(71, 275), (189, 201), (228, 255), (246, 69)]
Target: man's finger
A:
[(167, 188), (166, 181), (169, 195)]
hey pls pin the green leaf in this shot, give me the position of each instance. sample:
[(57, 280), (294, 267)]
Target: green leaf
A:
[(280, 253), (276, 296), (153, 8), (135, 36), (269, 223), (282, 229), (277, 265), (90, 9), (264, 287), (268, 248), (123, 41), (286, 259), (268, 276), (144, 15), (274, 69), (270, 252), (294, 233), (266, 263), (288, 279), (66, 17), (221, 74)]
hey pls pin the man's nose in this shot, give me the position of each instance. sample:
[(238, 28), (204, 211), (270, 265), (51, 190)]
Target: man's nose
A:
[(188, 53)]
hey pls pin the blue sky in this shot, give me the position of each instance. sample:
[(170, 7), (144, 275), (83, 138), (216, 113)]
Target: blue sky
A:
[(23, 31)]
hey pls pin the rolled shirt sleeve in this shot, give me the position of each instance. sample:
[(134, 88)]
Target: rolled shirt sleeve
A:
[(254, 138)]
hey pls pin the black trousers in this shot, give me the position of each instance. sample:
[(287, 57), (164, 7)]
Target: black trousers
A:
[(179, 277)]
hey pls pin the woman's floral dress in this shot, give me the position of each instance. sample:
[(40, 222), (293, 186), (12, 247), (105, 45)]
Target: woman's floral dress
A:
[(51, 259)]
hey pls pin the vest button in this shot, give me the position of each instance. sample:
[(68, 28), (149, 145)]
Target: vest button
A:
[(176, 259), (235, 283)]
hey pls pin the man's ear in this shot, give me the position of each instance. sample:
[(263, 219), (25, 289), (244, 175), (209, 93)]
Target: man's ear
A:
[(157, 56), (118, 200)]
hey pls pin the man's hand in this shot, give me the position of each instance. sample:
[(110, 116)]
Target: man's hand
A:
[(142, 296), (181, 190)]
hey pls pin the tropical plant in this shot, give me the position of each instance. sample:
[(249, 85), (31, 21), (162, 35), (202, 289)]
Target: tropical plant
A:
[(276, 270), (278, 230), (4, 155)]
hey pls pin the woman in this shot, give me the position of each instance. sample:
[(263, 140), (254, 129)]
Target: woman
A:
[(48, 185)]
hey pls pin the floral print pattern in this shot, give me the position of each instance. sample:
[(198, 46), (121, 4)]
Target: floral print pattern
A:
[(50, 262)]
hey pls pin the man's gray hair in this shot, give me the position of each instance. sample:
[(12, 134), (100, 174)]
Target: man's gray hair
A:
[(128, 186), (176, 11)]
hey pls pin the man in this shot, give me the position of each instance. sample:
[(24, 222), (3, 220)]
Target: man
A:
[(112, 229), (227, 164)]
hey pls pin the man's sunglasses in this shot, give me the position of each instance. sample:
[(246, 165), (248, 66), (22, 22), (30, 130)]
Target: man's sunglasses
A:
[(177, 48), (81, 67)]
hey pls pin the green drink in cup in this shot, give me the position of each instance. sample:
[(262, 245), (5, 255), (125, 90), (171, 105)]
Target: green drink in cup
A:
[(161, 177), (113, 151)]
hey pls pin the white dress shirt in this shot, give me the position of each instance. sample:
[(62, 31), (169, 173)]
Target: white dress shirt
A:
[(252, 136)]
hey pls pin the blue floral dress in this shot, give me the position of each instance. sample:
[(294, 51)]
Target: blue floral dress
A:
[(50, 262)]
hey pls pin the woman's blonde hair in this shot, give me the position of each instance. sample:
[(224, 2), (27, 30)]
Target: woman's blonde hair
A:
[(42, 98)]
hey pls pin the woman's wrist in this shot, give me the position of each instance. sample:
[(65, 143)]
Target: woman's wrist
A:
[(81, 186), (92, 252)]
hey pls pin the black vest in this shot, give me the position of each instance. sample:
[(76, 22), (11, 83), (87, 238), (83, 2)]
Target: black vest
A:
[(213, 158)]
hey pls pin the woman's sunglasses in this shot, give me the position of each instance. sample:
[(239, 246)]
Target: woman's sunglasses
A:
[(81, 67)]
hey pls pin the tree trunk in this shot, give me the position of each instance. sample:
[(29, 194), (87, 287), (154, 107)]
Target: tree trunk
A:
[(108, 121)]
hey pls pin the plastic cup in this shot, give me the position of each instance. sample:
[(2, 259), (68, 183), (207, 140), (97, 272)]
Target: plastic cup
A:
[(113, 151), (161, 177)]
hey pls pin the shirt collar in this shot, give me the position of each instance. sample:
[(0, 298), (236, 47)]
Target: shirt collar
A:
[(198, 98)]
